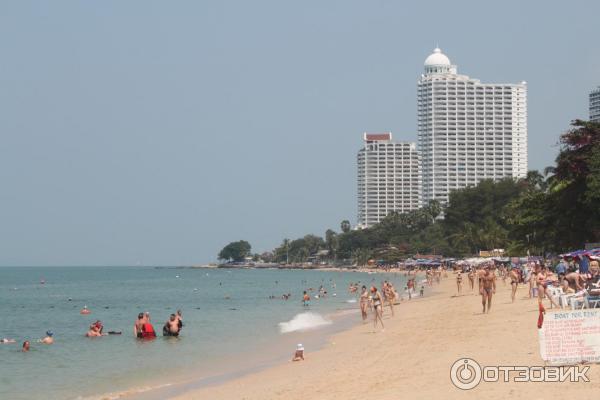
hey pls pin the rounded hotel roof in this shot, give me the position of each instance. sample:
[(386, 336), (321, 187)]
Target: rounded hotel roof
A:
[(437, 58)]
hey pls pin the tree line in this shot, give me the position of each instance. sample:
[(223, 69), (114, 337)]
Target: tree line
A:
[(549, 212)]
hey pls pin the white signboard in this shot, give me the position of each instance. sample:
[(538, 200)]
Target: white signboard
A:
[(569, 337)]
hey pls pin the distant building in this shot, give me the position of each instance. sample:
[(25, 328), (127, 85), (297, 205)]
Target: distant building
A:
[(468, 130), (389, 178), (595, 105)]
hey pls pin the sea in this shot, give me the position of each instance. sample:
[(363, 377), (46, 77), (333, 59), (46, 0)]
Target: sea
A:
[(232, 325)]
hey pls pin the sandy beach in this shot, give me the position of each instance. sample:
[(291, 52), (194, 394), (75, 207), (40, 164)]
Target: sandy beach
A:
[(413, 356)]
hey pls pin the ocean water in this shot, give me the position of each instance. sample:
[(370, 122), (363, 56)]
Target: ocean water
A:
[(227, 313)]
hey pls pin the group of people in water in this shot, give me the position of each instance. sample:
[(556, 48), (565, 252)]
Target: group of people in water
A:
[(143, 328), (48, 339)]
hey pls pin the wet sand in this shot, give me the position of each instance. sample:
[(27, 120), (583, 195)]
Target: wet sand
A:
[(413, 356)]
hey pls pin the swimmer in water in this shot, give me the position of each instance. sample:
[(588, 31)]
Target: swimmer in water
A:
[(84, 311), (171, 327), (25, 346), (48, 339), (94, 331)]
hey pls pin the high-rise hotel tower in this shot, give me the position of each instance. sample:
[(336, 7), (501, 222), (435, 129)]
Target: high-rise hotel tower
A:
[(595, 105), (468, 130), (389, 178)]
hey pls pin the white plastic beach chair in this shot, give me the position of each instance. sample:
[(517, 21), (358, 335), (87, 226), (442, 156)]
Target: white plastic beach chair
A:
[(591, 301)]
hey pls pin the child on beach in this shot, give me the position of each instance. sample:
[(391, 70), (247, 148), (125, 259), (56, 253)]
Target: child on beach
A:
[(299, 354)]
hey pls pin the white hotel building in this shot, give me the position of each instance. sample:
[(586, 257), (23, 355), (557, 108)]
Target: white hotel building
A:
[(595, 105), (389, 178), (468, 130)]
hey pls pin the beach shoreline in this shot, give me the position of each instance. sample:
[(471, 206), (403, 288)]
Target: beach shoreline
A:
[(414, 354)]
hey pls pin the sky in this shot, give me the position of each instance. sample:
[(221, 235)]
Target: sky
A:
[(154, 133)]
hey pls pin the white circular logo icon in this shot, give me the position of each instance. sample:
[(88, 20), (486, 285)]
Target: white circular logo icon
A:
[(465, 373)]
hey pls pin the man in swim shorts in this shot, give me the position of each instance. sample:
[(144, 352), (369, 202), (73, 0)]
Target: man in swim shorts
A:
[(137, 326), (171, 327), (488, 288), (305, 299)]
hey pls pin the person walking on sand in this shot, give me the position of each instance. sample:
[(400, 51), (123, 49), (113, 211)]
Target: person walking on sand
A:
[(459, 282), (471, 276), (377, 303), (389, 295), (488, 288), (545, 277), (364, 302), (514, 283), (532, 280)]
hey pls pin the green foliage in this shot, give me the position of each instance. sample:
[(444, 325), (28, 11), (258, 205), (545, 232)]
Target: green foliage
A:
[(345, 226), (236, 251), (549, 212), (565, 213)]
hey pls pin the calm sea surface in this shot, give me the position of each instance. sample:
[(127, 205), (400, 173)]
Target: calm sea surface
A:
[(225, 312)]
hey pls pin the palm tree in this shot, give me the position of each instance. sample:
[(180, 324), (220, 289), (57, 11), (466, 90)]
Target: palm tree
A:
[(345, 226), (286, 245)]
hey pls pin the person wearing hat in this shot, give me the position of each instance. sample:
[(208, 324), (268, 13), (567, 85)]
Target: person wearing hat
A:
[(299, 354), (48, 339)]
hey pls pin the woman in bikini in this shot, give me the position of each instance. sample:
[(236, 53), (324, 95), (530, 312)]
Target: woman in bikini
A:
[(364, 302), (544, 278), (377, 303), (389, 295)]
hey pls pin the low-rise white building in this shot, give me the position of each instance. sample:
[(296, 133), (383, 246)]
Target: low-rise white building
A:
[(389, 178)]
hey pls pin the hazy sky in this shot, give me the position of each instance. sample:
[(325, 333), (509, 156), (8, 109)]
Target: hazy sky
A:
[(157, 132)]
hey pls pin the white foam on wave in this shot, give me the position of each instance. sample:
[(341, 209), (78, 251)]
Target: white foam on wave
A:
[(303, 322), (351, 301)]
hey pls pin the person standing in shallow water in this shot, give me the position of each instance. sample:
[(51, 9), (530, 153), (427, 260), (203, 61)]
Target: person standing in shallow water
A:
[(305, 299), (138, 325)]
